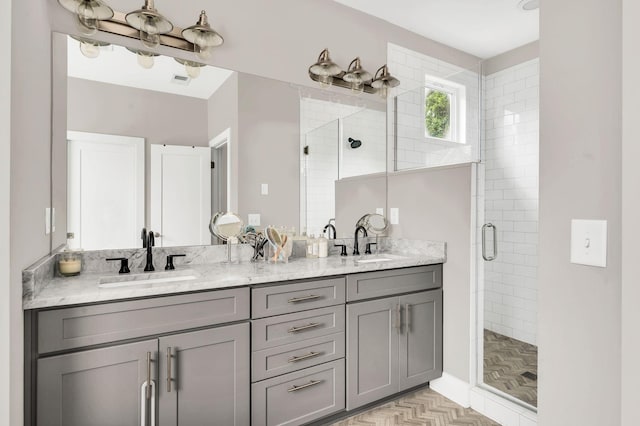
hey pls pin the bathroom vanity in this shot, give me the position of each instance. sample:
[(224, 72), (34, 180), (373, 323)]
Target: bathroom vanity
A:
[(263, 345)]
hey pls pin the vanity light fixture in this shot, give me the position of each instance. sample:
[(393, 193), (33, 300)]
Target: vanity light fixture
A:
[(324, 69), (326, 72), (203, 37), (150, 23), (192, 68), (88, 12), (383, 81)]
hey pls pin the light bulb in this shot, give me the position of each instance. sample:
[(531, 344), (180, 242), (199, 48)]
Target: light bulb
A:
[(145, 61), (325, 81), (202, 52), (149, 40), (87, 22), (89, 50), (149, 26), (383, 92), (192, 71), (357, 87)]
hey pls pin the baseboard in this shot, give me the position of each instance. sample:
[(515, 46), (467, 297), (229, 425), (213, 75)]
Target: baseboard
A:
[(453, 388)]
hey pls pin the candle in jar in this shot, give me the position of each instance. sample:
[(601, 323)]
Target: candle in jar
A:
[(70, 266)]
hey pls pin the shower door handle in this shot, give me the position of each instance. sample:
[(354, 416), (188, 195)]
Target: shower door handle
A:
[(484, 242)]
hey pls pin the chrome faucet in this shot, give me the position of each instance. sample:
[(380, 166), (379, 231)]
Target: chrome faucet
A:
[(359, 228), (150, 241)]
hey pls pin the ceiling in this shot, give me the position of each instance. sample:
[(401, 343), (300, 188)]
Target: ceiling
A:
[(484, 28), (116, 65)]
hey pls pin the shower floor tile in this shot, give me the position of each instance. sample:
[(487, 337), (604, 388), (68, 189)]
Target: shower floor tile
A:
[(511, 366), (424, 407)]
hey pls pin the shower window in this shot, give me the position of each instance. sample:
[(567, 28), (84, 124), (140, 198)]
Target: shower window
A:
[(444, 110)]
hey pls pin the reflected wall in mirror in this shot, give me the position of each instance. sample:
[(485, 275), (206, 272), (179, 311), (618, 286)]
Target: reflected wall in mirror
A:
[(157, 147)]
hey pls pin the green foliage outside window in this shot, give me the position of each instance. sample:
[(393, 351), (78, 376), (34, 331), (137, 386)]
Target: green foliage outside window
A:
[(437, 114)]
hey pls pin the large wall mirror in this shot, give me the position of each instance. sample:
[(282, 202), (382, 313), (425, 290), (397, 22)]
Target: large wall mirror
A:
[(149, 142)]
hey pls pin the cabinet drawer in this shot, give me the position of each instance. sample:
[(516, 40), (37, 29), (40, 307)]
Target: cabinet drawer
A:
[(285, 329), (300, 397), (287, 298), (296, 356), (396, 281), (63, 329)]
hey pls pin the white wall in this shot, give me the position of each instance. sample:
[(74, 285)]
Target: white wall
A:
[(580, 162), (630, 212), (370, 127), (6, 301), (414, 149), (511, 200)]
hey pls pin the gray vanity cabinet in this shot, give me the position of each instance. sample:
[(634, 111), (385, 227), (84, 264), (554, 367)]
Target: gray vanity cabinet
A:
[(204, 377), (100, 387), (393, 344)]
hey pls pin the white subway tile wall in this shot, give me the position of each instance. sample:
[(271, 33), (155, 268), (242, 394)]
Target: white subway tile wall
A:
[(413, 149), (325, 128), (511, 200)]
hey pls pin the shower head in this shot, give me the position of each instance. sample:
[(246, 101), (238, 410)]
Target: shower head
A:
[(355, 143)]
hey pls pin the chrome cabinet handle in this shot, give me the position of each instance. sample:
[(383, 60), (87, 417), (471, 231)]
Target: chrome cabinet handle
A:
[(169, 369), (148, 390), (484, 242), (306, 385), (398, 318), (304, 327), (407, 317), (303, 357), (303, 299)]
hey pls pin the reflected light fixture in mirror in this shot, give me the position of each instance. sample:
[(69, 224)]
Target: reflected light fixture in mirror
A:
[(88, 13), (384, 81), (145, 59), (150, 23), (325, 69), (203, 37), (356, 76), (192, 68), (90, 48)]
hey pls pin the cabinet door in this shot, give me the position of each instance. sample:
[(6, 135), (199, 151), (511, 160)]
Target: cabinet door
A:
[(421, 338), (372, 351), (206, 381), (101, 387)]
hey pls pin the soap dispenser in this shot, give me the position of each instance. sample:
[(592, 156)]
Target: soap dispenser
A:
[(323, 246)]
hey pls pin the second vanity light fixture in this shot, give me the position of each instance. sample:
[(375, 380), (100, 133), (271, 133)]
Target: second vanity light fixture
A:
[(147, 24), (356, 78)]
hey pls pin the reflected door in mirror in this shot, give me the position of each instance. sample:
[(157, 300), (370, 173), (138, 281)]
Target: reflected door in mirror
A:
[(105, 191), (180, 194)]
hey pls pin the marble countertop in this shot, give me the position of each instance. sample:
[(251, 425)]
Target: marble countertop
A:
[(85, 288)]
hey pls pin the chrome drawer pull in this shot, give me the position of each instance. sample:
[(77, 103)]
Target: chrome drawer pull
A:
[(303, 357), (306, 385), (304, 327), (303, 299)]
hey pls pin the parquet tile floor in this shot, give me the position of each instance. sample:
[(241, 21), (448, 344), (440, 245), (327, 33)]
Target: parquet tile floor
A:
[(424, 408), (511, 366)]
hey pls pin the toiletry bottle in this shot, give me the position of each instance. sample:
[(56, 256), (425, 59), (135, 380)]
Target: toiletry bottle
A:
[(315, 246), (323, 246), (309, 243)]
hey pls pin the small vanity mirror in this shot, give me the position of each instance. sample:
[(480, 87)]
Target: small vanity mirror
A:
[(226, 225), (376, 224)]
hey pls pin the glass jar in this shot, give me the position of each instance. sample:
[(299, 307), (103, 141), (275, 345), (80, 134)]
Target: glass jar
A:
[(70, 263)]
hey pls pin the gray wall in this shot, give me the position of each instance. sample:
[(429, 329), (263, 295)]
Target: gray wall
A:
[(435, 204), (268, 138), (356, 197), (630, 212), (6, 300), (513, 57), (222, 115), (580, 162)]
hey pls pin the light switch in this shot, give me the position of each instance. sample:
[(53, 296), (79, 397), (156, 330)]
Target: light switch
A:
[(394, 214), (380, 211), (254, 219), (265, 189), (47, 221), (53, 219), (589, 242)]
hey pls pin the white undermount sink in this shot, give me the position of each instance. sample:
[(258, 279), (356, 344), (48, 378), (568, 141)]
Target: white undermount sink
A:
[(378, 258), (147, 278)]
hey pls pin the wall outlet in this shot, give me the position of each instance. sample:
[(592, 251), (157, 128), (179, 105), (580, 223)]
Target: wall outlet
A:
[(254, 219), (394, 214), (264, 190), (589, 242), (380, 211)]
